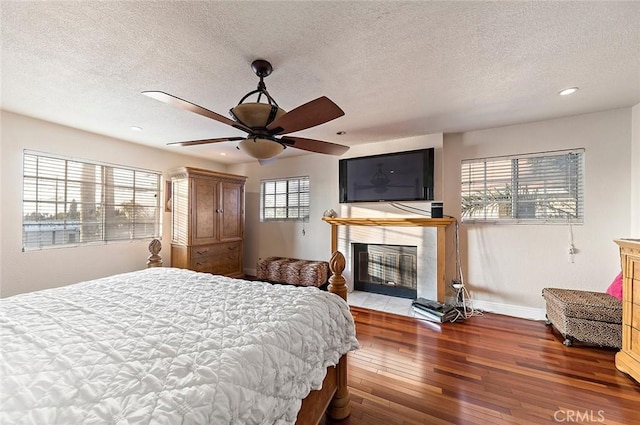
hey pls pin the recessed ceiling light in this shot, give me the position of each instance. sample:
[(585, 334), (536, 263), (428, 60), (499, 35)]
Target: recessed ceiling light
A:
[(223, 154), (136, 128), (341, 133), (568, 91)]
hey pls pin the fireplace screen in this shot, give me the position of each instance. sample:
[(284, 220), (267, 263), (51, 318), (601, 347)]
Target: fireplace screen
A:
[(385, 269)]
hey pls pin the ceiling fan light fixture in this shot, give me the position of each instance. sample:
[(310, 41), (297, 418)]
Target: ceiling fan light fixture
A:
[(260, 148), (256, 115)]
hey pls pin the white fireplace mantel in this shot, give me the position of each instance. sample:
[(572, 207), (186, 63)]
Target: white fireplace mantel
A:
[(440, 223)]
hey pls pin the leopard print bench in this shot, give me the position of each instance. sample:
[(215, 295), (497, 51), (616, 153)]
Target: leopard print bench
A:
[(293, 271), (585, 316)]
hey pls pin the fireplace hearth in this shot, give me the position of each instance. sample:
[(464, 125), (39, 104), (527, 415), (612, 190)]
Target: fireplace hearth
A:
[(385, 269)]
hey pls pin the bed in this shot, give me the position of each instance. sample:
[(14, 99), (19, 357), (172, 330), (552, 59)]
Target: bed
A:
[(173, 346)]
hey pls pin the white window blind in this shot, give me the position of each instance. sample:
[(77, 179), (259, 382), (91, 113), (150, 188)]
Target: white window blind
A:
[(533, 188), (180, 210), (284, 199), (71, 202)]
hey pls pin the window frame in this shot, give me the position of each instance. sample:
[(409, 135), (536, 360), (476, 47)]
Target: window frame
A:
[(532, 188), (287, 207), (137, 217)]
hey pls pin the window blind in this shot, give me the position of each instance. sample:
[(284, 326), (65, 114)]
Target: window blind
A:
[(180, 210), (532, 188), (70, 202), (284, 199)]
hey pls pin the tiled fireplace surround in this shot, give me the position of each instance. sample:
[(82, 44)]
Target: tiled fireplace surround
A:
[(422, 234)]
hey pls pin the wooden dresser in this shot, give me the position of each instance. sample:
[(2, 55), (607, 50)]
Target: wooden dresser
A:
[(628, 359), (207, 214)]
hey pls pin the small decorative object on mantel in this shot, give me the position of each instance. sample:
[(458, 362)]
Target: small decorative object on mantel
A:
[(330, 213), (154, 260)]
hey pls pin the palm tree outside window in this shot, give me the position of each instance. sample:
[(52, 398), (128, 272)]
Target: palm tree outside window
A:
[(545, 187)]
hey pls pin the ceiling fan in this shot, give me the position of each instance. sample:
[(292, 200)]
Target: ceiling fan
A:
[(266, 124)]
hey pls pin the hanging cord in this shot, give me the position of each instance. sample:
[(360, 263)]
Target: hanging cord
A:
[(464, 305), (572, 247), (457, 245), (411, 209), (463, 301)]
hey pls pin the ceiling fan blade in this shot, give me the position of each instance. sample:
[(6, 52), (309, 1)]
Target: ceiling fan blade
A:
[(312, 145), (316, 112), (205, 141), (188, 106)]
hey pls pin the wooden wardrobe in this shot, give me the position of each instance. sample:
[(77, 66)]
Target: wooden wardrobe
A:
[(207, 221)]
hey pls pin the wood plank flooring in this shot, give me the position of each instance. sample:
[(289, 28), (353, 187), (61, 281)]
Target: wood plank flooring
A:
[(489, 369)]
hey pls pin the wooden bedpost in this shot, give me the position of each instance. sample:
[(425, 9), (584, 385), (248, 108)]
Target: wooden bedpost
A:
[(337, 283), (154, 260), (340, 406)]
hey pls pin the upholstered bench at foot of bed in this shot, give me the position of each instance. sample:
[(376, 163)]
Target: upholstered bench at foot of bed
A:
[(585, 316), (293, 271)]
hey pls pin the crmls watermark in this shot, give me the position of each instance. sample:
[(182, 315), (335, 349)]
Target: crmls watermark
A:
[(581, 416)]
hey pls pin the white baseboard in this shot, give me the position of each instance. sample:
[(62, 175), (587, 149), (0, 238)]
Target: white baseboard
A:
[(510, 310)]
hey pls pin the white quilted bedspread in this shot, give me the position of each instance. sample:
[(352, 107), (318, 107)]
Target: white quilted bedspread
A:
[(167, 346)]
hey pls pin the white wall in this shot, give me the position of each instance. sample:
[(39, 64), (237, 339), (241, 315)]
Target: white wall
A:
[(34, 270), (507, 266), (286, 238), (635, 173)]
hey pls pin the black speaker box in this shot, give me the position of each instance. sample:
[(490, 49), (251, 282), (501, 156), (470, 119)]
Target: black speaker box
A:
[(436, 210)]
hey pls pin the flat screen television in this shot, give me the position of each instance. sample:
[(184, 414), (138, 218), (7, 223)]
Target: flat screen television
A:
[(398, 176)]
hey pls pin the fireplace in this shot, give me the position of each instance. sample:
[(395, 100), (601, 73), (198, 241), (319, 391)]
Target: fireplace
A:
[(428, 234), (385, 269)]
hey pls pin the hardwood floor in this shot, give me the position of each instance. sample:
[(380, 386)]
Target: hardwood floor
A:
[(489, 369)]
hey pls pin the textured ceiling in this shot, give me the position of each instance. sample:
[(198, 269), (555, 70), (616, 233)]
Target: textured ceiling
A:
[(397, 69)]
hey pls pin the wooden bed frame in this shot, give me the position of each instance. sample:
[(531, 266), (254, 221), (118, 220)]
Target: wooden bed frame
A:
[(333, 398)]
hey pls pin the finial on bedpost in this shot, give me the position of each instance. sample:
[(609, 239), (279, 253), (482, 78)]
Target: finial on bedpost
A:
[(154, 260), (337, 283)]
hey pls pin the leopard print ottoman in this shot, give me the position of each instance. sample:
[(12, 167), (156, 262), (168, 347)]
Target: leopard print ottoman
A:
[(293, 271), (585, 316)]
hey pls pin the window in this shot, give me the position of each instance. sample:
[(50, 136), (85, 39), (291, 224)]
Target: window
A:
[(72, 202), (284, 199), (534, 188)]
